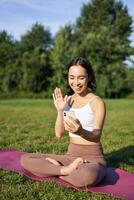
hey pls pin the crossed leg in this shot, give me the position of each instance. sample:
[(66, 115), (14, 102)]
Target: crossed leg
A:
[(49, 164), (74, 171), (87, 174)]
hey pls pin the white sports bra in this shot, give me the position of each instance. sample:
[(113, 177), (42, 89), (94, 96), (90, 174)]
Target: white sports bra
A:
[(84, 114)]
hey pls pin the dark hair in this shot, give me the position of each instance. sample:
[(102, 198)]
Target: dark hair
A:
[(83, 62)]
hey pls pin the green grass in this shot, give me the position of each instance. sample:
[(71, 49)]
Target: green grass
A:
[(28, 125)]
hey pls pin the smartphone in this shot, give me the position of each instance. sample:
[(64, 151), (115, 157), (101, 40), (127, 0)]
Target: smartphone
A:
[(70, 113)]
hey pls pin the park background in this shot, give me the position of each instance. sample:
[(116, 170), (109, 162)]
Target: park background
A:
[(34, 63)]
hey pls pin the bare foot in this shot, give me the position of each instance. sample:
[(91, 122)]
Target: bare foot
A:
[(74, 165), (55, 162)]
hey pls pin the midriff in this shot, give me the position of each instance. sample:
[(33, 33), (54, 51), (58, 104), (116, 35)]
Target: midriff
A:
[(82, 141)]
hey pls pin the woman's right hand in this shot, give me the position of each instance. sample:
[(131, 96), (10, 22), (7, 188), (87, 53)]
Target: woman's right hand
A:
[(59, 101)]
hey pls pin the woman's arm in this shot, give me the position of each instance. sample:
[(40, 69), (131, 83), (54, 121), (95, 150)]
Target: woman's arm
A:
[(59, 125), (74, 126), (59, 103)]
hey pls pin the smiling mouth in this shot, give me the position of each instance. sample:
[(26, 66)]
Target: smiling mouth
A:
[(77, 88)]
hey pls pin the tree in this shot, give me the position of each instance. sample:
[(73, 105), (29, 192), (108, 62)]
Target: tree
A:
[(12, 77), (8, 54), (38, 36), (103, 31), (61, 54), (25, 65), (130, 80), (36, 70), (7, 44)]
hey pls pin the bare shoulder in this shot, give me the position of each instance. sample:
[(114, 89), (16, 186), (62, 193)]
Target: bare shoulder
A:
[(98, 103), (99, 100)]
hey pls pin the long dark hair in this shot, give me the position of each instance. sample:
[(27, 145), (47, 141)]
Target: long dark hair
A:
[(83, 62)]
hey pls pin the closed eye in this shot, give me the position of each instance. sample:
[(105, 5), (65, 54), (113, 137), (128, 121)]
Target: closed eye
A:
[(81, 78)]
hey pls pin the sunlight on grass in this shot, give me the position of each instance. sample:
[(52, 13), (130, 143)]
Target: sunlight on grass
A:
[(28, 125)]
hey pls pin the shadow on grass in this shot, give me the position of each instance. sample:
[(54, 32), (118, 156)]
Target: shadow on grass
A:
[(124, 155)]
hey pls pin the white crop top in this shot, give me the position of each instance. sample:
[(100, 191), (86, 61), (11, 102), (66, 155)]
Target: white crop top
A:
[(85, 115)]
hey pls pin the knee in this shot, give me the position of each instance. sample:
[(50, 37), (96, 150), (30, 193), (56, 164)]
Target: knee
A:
[(92, 174), (86, 176)]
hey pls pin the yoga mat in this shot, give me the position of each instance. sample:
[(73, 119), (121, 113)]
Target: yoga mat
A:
[(117, 182)]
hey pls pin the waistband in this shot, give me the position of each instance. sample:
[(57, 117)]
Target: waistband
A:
[(79, 149), (89, 152)]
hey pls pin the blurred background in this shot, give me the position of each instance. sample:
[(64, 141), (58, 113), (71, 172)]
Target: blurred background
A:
[(39, 38)]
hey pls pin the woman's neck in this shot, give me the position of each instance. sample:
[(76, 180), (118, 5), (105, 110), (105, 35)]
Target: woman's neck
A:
[(84, 94)]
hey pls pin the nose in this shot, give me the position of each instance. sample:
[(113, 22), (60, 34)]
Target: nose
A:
[(76, 81)]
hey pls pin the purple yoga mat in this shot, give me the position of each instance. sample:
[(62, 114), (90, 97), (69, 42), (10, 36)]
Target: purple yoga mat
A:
[(117, 182)]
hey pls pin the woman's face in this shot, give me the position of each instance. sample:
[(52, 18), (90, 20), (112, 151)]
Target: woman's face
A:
[(78, 79)]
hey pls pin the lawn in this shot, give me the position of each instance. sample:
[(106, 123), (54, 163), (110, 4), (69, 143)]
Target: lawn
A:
[(28, 125)]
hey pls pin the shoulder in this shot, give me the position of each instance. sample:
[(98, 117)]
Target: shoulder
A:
[(97, 103), (93, 98)]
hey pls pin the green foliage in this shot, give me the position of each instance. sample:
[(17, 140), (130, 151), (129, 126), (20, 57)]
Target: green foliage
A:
[(35, 66), (7, 54), (130, 79), (29, 69), (103, 30), (38, 63), (36, 71), (11, 79), (38, 36), (102, 13), (6, 48), (61, 54)]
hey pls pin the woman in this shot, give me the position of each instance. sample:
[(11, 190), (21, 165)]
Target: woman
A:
[(84, 163)]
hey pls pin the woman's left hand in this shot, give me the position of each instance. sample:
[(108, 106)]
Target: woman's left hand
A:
[(72, 125)]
